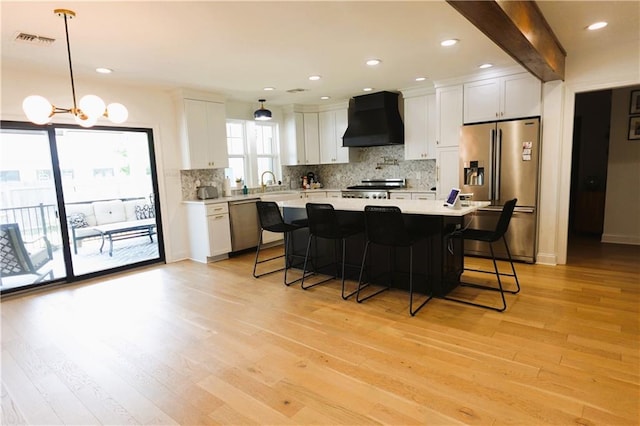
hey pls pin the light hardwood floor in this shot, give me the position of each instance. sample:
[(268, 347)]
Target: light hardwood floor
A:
[(187, 343)]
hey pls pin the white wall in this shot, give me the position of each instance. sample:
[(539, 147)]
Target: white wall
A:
[(611, 67), (622, 207), (148, 108)]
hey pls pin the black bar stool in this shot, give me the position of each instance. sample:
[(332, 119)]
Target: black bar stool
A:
[(385, 226), (324, 224), (491, 236), (271, 220)]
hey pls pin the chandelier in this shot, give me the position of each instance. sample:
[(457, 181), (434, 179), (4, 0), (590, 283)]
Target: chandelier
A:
[(40, 111)]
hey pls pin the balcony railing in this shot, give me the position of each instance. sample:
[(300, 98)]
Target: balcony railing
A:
[(35, 221)]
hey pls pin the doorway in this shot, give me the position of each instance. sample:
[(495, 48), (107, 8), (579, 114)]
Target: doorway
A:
[(88, 197), (590, 153)]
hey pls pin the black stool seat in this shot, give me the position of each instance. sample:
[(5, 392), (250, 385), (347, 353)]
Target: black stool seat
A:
[(385, 226), (271, 220), (490, 237), (323, 223)]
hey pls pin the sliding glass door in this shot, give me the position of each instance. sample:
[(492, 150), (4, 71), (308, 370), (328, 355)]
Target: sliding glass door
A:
[(92, 192)]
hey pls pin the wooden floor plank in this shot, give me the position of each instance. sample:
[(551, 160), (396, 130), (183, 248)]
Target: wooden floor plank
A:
[(190, 343)]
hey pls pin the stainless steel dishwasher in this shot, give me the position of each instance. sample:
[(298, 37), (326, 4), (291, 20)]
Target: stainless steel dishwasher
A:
[(245, 227)]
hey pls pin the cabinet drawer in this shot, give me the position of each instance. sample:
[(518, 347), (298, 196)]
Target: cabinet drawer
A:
[(217, 208), (423, 196)]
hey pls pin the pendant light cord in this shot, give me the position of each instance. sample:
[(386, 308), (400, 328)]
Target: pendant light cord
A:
[(73, 87)]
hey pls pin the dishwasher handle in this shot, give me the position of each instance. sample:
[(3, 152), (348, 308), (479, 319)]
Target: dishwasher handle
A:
[(235, 203)]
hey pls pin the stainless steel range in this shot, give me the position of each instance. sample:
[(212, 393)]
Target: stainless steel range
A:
[(376, 189)]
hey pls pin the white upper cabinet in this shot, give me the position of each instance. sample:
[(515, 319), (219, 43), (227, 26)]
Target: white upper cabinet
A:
[(448, 115), (301, 144), (420, 127), (204, 134), (513, 96), (311, 138), (332, 125), (292, 147)]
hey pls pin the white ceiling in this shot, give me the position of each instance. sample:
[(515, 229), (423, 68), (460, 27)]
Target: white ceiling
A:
[(238, 48)]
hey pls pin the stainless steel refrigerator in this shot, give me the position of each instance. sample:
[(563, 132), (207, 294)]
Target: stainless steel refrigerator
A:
[(499, 162)]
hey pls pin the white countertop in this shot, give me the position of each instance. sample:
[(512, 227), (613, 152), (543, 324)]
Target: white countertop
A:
[(426, 207)]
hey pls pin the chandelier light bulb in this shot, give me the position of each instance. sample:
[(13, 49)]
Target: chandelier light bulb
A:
[(37, 109), (117, 113), (92, 106)]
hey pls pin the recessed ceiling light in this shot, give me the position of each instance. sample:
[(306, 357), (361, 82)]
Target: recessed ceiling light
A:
[(483, 66), (372, 62), (104, 70), (269, 89), (314, 77), (324, 98), (367, 89), (450, 42), (421, 78), (597, 25)]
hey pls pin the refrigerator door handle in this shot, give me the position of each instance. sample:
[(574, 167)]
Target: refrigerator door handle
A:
[(492, 140), (498, 155)]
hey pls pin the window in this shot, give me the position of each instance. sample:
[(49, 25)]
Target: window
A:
[(9, 176), (253, 149)]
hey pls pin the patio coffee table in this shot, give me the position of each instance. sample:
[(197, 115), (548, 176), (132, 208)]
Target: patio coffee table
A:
[(124, 230)]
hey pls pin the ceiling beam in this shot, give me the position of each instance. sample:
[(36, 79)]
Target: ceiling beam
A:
[(521, 30)]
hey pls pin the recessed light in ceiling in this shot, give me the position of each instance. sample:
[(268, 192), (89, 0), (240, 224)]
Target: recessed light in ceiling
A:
[(324, 98), (269, 89), (367, 89), (597, 25), (314, 77), (104, 70), (373, 62), (484, 66), (450, 42), (421, 78)]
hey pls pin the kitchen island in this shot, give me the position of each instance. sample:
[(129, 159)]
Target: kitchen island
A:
[(438, 258)]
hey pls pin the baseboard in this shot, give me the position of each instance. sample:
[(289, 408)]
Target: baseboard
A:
[(620, 239), (546, 259)]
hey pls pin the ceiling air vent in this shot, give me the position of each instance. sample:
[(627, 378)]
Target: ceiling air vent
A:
[(296, 90), (34, 39)]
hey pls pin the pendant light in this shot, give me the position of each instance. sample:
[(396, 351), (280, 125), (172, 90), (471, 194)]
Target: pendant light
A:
[(86, 113), (262, 114)]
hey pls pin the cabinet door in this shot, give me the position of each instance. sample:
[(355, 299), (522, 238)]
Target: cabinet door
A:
[(292, 147), (219, 234), (205, 146), (521, 96), (449, 115), (415, 128), (446, 171), (482, 101), (327, 134), (341, 118), (195, 152), (311, 138), (217, 131)]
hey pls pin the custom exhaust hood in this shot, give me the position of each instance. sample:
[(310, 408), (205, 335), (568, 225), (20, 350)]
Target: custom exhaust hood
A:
[(374, 120)]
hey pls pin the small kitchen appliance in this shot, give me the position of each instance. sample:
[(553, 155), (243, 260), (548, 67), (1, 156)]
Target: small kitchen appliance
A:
[(206, 192)]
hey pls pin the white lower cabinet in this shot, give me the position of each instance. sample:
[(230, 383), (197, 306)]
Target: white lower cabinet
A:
[(315, 194), (447, 164), (423, 196), (400, 196), (209, 231)]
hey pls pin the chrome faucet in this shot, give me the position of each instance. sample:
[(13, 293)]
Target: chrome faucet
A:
[(262, 179)]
